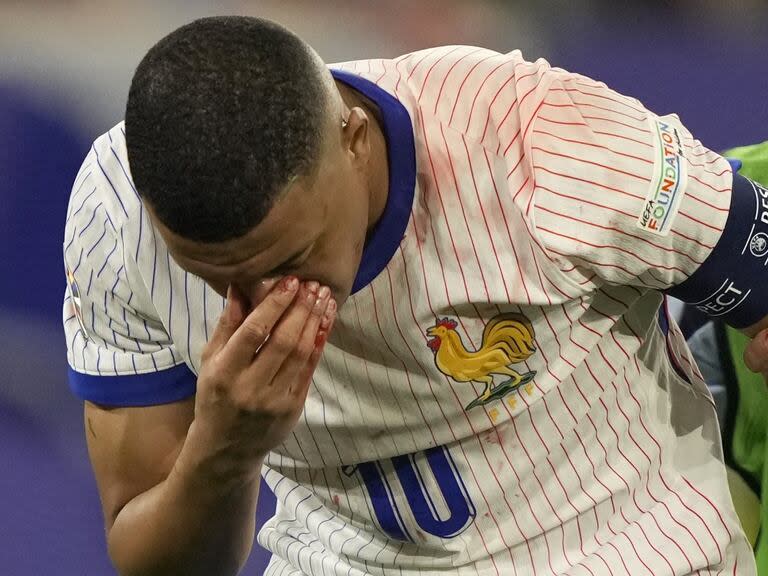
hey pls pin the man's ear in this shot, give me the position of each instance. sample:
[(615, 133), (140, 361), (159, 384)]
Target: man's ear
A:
[(356, 135)]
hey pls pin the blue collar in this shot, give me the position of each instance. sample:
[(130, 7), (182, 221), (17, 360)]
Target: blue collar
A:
[(386, 235)]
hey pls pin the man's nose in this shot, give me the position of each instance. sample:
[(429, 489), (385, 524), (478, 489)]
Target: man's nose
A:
[(258, 291)]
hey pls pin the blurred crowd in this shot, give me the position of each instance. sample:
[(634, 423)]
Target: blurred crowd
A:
[(65, 68)]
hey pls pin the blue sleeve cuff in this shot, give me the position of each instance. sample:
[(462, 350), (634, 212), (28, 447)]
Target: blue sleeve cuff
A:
[(149, 389)]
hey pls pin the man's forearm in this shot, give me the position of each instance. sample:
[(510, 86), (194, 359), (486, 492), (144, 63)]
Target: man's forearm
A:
[(200, 520)]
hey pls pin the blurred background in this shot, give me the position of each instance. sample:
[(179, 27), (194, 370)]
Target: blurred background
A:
[(65, 68)]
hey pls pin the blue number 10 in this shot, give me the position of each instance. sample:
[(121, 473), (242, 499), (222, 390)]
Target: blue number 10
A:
[(461, 510)]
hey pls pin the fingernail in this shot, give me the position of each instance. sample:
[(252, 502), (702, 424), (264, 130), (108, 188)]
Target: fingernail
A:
[(313, 286), (290, 283), (320, 304), (330, 311), (324, 292)]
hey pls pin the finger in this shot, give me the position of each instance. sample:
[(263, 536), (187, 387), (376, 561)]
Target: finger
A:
[(286, 334), (308, 336), (756, 353), (287, 373), (258, 325), (229, 321), (304, 378), (328, 317)]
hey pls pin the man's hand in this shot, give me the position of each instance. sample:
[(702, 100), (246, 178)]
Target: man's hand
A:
[(256, 371), (179, 482), (756, 353)]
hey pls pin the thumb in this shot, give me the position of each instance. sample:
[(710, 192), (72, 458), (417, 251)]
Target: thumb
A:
[(229, 321), (756, 353)]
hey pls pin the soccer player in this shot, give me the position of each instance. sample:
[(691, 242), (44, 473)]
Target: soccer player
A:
[(422, 297)]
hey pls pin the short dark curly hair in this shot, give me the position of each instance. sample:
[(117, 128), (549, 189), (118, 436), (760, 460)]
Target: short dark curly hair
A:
[(222, 114)]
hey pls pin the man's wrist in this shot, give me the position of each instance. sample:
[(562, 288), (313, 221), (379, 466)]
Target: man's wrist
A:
[(213, 466)]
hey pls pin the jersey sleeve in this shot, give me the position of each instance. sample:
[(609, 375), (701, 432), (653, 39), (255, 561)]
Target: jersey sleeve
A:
[(620, 195), (118, 350)]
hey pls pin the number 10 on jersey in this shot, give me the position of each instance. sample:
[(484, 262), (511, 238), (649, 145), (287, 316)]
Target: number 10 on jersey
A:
[(453, 513)]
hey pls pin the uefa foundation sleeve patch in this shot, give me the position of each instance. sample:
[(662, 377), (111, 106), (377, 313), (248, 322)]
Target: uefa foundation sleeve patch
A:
[(670, 177)]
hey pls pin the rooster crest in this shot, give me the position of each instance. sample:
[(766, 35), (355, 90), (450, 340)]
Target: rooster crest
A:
[(507, 340)]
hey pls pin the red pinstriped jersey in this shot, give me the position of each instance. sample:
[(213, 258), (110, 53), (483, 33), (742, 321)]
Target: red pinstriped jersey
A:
[(503, 397)]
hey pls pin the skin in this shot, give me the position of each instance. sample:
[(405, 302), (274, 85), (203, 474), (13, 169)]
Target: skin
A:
[(756, 353), (179, 482)]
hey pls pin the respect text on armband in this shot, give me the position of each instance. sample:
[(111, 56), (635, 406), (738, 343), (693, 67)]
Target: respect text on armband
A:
[(725, 299)]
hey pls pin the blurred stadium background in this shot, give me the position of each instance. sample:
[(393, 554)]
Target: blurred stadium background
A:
[(65, 67)]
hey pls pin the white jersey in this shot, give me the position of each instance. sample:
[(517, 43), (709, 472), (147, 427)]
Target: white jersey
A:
[(503, 396)]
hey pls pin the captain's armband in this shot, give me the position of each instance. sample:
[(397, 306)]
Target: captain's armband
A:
[(732, 283)]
